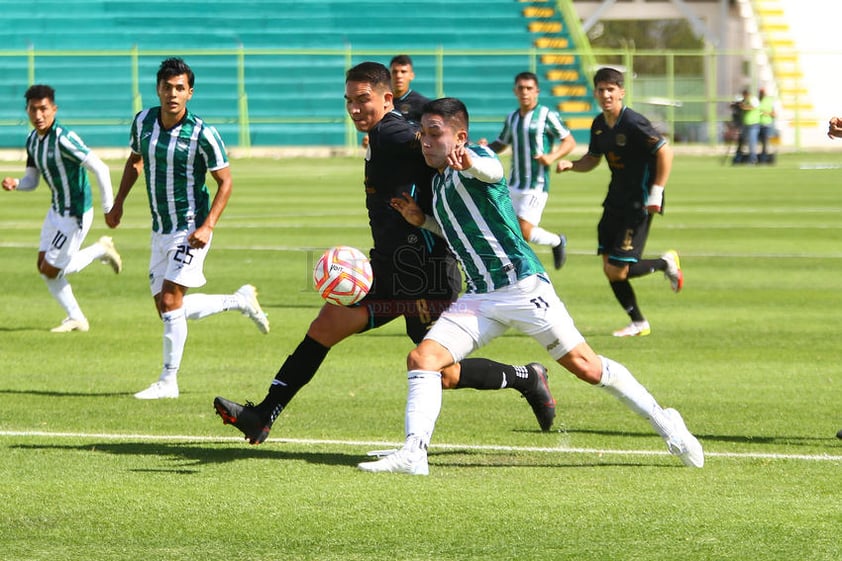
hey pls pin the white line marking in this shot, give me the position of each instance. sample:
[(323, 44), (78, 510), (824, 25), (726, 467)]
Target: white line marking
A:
[(382, 444)]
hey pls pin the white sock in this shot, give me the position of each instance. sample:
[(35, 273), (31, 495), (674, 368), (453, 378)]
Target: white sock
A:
[(619, 382), (61, 291), (542, 237), (199, 306), (175, 336), (83, 258), (423, 404)]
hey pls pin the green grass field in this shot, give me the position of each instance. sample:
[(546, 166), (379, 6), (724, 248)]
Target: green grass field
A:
[(749, 352)]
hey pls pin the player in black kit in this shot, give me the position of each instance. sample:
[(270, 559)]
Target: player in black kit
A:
[(640, 160), (415, 276), (406, 100)]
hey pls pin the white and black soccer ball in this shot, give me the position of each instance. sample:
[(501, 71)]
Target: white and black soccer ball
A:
[(343, 275)]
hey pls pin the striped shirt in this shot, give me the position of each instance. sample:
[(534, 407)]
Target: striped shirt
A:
[(58, 157), (480, 225), (529, 136), (175, 163)]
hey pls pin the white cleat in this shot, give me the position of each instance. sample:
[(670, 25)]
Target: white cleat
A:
[(159, 390), (411, 459), (673, 272), (71, 324), (111, 256), (251, 307), (682, 443), (634, 329)]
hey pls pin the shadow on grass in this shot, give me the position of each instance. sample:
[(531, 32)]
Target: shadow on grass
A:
[(734, 438), (53, 393), (198, 454)]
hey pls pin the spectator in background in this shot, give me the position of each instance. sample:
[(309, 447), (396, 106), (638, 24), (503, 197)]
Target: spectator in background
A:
[(750, 130), (61, 157), (766, 107), (538, 138)]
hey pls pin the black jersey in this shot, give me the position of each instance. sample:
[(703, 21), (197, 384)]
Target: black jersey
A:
[(629, 147), (410, 105), (394, 165)]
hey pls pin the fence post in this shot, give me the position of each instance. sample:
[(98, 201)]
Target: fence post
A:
[(242, 103)]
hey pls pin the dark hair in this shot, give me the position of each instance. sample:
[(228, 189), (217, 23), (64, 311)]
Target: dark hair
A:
[(175, 66), (40, 91), (450, 108), (608, 75), (372, 73), (400, 60), (527, 76)]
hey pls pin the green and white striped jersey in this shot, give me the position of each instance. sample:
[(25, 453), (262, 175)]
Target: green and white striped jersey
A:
[(480, 226), (175, 163), (531, 135), (58, 157)]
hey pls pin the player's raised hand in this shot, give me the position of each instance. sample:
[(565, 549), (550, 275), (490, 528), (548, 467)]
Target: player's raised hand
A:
[(459, 158), (409, 209)]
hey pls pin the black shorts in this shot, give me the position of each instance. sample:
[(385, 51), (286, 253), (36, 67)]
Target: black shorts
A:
[(414, 286), (622, 236)]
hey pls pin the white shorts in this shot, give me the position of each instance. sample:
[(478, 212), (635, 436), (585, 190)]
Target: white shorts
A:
[(529, 204), (531, 306), (62, 236), (174, 260)]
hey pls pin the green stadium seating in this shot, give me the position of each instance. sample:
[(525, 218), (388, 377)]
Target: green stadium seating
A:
[(283, 92)]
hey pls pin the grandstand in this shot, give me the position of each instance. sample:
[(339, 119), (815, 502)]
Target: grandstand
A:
[(269, 72)]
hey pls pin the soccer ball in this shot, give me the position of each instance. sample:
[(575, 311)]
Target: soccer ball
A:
[(343, 275)]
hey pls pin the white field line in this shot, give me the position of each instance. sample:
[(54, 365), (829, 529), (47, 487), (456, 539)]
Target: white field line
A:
[(442, 446)]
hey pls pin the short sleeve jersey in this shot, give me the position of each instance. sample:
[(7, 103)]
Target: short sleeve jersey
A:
[(410, 105), (629, 148), (529, 136), (58, 157), (175, 163), (481, 227)]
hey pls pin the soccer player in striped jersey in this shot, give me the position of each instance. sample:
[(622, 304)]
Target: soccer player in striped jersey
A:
[(538, 138), (175, 150), (62, 158), (415, 276), (506, 287), (640, 160)]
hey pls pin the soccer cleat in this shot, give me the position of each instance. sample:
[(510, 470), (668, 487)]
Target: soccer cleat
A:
[(246, 418), (411, 459), (252, 307), (111, 256), (682, 443), (673, 272), (71, 324), (540, 398), (560, 252), (839, 434), (159, 390), (634, 329)]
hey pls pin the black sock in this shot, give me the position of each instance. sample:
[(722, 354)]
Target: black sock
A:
[(646, 267), (484, 374), (624, 293), (296, 372)]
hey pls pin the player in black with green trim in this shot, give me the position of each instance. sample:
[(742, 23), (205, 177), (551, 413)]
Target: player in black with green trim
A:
[(640, 160), (415, 276)]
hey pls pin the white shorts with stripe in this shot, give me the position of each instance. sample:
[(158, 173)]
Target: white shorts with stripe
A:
[(529, 204), (531, 306), (174, 260), (62, 236)]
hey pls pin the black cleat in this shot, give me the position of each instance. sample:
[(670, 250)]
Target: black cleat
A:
[(540, 398), (244, 417), (560, 253), (839, 434)]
